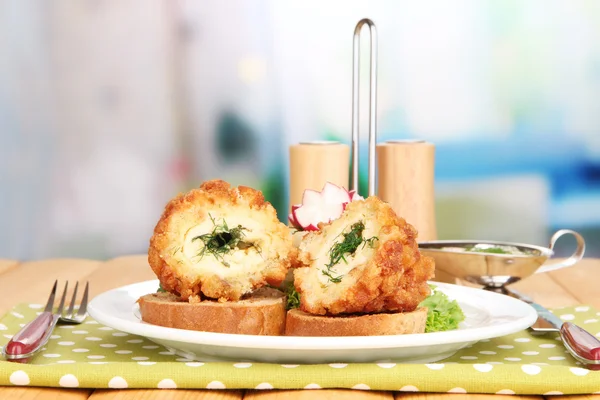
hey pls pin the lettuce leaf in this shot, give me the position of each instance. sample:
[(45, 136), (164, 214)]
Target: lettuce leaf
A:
[(443, 314)]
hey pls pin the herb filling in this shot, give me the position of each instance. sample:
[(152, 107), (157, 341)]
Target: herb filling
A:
[(348, 246), (222, 240)]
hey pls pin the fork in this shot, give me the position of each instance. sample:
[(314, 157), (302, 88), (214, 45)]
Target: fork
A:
[(33, 336)]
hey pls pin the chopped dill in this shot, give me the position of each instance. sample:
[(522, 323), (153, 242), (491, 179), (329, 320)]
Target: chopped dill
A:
[(222, 240), (177, 250), (293, 297), (332, 278), (348, 246)]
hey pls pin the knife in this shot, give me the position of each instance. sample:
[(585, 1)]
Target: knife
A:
[(583, 346)]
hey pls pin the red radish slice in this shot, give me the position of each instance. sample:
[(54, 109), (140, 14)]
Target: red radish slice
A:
[(311, 228), (311, 197), (332, 211), (307, 216), (334, 194), (355, 196), (323, 206), (292, 220), (292, 216)]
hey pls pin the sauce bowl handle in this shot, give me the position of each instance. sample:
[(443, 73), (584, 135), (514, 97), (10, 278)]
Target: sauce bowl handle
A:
[(572, 260)]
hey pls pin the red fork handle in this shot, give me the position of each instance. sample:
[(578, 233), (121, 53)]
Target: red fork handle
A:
[(31, 338), (584, 344)]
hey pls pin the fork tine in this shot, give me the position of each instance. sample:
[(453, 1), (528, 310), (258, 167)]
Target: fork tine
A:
[(50, 302), (72, 306), (62, 300), (84, 301)]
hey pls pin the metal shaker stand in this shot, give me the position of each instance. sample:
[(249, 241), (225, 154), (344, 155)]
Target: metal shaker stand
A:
[(372, 105)]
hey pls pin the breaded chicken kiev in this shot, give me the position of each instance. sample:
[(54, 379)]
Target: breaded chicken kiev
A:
[(366, 261), (220, 242)]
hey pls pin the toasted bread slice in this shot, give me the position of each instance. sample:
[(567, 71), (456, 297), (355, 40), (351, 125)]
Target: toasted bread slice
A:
[(299, 323), (261, 313)]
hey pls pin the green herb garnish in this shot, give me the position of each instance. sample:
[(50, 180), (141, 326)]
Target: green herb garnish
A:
[(338, 252), (293, 297), (494, 250), (160, 289), (222, 240), (443, 314)]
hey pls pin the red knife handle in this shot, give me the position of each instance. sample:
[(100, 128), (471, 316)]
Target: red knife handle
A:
[(31, 337), (583, 343)]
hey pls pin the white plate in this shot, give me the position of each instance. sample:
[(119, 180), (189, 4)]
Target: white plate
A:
[(488, 315)]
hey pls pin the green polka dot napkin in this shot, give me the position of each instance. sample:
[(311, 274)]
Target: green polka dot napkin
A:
[(94, 356)]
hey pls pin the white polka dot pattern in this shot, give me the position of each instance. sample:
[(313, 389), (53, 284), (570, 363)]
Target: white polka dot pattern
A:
[(69, 381), (117, 383), (579, 371), (80, 350), (483, 367), (505, 391), (263, 386), (194, 364), (216, 385), (531, 369), (19, 378), (530, 356), (167, 384), (409, 388), (361, 386)]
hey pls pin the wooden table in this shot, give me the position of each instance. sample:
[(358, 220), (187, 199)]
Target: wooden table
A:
[(30, 282)]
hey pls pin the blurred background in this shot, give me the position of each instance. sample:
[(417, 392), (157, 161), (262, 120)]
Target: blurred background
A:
[(108, 108)]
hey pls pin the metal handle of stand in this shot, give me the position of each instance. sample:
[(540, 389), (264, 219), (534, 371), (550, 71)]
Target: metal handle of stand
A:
[(372, 104)]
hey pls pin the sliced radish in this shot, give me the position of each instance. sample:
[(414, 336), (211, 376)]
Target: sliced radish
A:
[(292, 220), (311, 197), (311, 227), (292, 216), (324, 206), (355, 196), (310, 217), (307, 217), (332, 211), (334, 194)]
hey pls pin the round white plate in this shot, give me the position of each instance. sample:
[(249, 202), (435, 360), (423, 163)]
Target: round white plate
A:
[(488, 315)]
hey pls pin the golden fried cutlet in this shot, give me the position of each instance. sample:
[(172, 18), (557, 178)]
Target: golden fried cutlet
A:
[(366, 261), (220, 242)]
